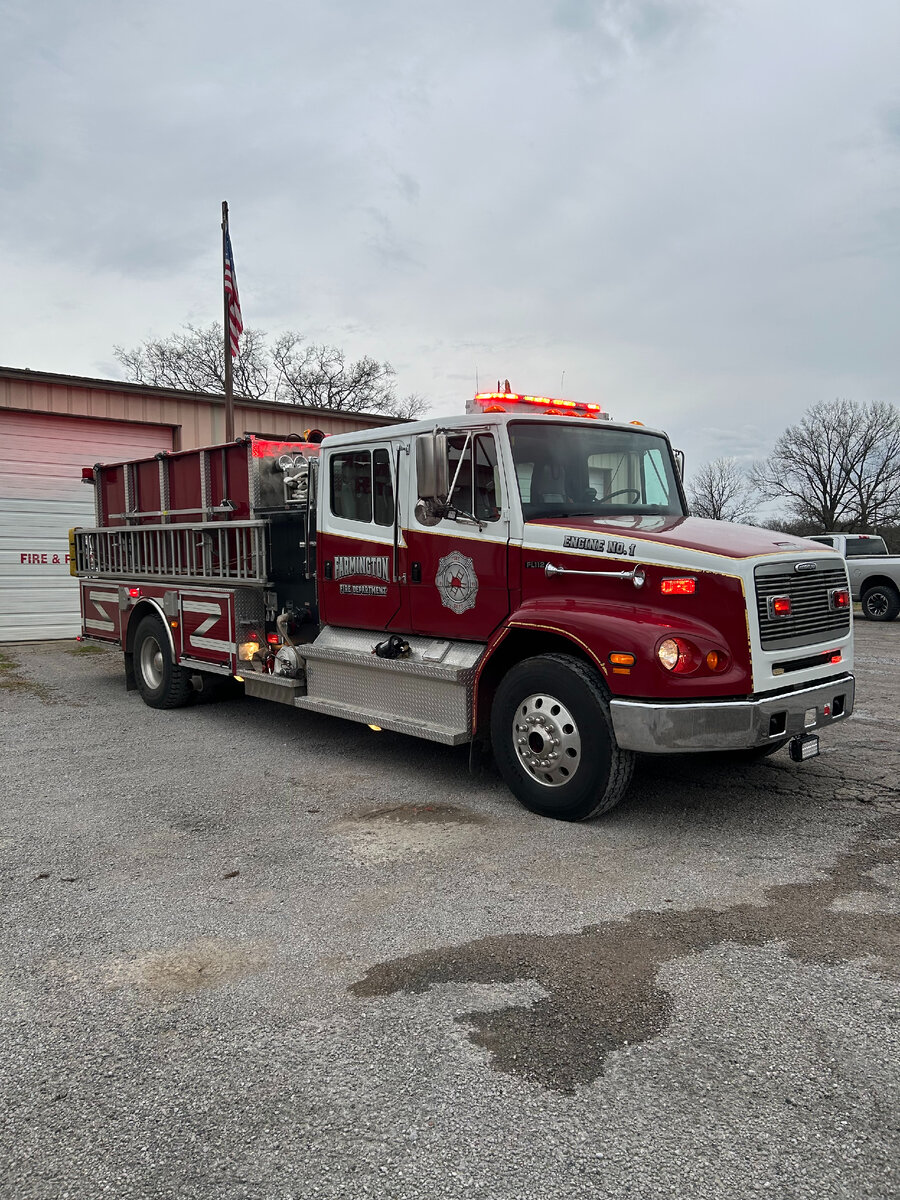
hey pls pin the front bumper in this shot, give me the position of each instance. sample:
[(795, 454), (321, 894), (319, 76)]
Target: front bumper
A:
[(655, 727)]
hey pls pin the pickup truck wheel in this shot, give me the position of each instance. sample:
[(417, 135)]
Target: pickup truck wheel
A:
[(553, 740), (161, 683), (880, 602)]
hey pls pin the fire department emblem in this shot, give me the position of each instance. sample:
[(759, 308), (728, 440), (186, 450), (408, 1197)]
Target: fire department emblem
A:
[(457, 582)]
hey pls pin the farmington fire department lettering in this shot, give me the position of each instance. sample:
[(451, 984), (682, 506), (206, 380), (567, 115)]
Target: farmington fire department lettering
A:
[(362, 589), (600, 545), (361, 564), (457, 582)]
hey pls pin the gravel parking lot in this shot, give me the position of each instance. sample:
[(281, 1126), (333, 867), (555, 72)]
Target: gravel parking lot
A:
[(250, 952)]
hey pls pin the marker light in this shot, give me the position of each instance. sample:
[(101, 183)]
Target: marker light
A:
[(621, 663), (839, 598), (678, 587), (779, 606), (134, 593), (717, 661), (273, 639)]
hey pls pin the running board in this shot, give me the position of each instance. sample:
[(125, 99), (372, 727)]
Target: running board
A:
[(426, 694)]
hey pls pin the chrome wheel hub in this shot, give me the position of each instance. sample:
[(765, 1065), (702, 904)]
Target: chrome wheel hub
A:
[(152, 662), (877, 604), (546, 739)]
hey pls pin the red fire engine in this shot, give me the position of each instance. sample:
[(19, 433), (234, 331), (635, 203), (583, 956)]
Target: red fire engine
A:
[(525, 577)]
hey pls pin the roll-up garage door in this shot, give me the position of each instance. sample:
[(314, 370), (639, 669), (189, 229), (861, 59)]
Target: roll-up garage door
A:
[(41, 498)]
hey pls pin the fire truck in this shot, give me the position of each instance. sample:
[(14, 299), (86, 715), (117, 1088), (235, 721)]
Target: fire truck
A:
[(525, 578)]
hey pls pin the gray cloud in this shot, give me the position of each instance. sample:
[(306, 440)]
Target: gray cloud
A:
[(689, 208)]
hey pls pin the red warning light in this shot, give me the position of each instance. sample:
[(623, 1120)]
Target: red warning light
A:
[(678, 587), (570, 408)]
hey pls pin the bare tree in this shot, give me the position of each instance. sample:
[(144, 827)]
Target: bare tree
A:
[(322, 377), (873, 455), (194, 360), (290, 372), (838, 467), (722, 492)]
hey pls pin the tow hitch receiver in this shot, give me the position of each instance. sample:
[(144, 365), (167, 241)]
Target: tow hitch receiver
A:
[(805, 746)]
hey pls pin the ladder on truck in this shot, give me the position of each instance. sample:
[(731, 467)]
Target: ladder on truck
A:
[(232, 551)]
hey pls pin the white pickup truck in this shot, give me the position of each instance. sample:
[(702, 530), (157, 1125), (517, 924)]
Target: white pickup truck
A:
[(874, 574)]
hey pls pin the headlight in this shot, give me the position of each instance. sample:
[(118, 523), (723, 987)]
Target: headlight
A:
[(678, 655)]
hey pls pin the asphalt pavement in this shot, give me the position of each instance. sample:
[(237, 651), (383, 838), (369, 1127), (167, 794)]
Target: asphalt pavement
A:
[(253, 952)]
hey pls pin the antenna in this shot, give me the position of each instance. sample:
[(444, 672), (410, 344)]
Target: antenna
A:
[(562, 380), (477, 389)]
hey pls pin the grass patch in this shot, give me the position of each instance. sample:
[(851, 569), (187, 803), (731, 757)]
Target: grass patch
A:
[(10, 682), (78, 650)]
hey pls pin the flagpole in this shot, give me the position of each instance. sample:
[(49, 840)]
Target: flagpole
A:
[(229, 385)]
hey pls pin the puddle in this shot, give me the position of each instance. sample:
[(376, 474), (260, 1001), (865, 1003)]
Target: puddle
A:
[(600, 983)]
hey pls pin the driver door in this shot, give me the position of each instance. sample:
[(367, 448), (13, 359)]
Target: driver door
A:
[(457, 565)]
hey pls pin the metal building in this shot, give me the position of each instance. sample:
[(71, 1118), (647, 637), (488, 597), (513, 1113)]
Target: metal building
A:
[(53, 425)]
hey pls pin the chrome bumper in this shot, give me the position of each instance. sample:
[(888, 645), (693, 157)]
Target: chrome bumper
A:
[(654, 727)]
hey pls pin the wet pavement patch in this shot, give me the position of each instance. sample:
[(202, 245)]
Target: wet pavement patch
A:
[(601, 983)]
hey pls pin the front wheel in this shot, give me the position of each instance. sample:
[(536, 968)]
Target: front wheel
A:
[(880, 602), (160, 681), (553, 740)]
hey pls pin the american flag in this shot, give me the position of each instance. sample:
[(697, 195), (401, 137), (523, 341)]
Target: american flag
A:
[(235, 323)]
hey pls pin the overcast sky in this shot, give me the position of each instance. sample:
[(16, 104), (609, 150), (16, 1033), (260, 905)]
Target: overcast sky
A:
[(686, 211)]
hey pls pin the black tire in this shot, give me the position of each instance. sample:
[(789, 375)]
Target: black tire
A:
[(880, 602), (161, 683), (555, 696)]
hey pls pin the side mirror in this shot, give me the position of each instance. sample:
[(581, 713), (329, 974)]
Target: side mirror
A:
[(432, 474), (679, 461)]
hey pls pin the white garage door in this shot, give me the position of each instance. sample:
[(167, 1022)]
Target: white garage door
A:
[(41, 498)]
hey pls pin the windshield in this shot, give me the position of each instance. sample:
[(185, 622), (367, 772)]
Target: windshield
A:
[(592, 470)]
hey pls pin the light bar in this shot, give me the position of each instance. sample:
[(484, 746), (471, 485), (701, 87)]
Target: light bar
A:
[(574, 406)]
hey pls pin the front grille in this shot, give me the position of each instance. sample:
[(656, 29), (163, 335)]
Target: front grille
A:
[(812, 619)]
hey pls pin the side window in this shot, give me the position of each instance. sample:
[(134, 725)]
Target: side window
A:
[(382, 488), (477, 490), (487, 480), (656, 488), (351, 485)]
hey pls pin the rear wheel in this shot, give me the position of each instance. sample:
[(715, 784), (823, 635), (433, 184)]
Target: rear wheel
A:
[(552, 738), (160, 681), (880, 602)]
